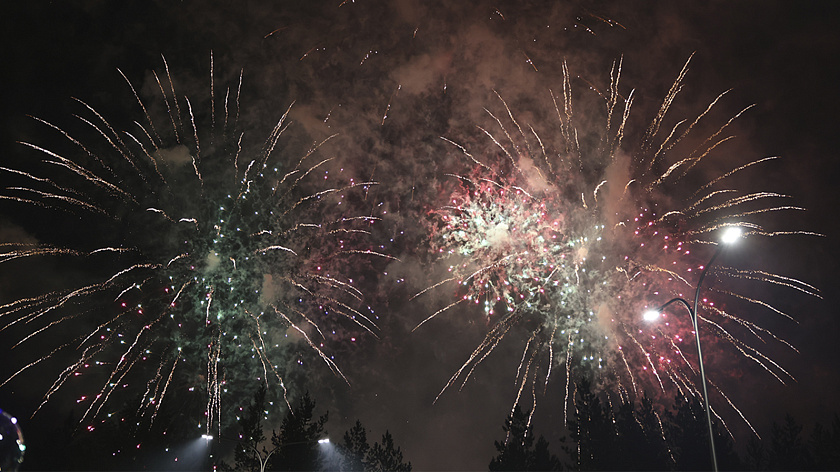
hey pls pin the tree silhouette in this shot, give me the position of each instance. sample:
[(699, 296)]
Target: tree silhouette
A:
[(639, 444), (518, 452), (386, 457), (788, 451), (359, 456), (825, 445), (688, 435), (756, 455), (629, 437), (355, 448), (297, 440), (248, 455), (593, 431)]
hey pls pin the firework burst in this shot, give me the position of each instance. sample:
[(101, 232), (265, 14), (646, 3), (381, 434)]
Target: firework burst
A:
[(214, 262), (574, 242)]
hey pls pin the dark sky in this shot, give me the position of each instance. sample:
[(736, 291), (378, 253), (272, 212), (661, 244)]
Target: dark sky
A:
[(433, 66)]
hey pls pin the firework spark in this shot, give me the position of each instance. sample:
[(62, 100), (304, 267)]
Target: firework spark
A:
[(574, 243), (214, 261)]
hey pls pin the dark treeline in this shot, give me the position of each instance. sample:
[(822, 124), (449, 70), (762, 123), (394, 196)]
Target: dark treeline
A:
[(633, 436), (129, 441), (296, 445), (628, 435)]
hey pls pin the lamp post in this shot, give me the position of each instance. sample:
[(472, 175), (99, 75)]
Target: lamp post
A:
[(264, 460), (259, 455), (730, 235)]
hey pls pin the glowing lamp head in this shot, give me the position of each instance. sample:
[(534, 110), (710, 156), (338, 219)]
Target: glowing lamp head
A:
[(206, 437), (324, 441), (731, 235), (651, 316)]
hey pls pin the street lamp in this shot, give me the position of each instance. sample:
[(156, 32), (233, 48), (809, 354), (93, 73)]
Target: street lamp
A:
[(729, 236), (264, 460)]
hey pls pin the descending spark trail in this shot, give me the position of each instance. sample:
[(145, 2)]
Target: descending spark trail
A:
[(221, 260), (574, 244)]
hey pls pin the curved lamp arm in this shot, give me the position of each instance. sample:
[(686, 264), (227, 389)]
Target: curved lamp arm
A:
[(694, 321)]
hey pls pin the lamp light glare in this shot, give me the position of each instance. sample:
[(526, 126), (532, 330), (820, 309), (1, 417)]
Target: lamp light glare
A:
[(651, 315), (731, 234)]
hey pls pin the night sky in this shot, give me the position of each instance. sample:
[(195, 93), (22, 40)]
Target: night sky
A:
[(392, 78)]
